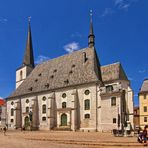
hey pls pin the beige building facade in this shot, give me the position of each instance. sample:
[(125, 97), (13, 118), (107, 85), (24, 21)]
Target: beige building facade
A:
[(71, 92), (143, 104)]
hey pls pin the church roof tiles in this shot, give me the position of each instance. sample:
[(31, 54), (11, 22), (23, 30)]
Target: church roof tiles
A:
[(45, 73)]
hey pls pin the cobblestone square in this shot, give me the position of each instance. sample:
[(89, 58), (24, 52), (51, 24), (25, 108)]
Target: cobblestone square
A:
[(60, 139)]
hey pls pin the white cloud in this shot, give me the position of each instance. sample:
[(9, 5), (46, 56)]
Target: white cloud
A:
[(143, 71), (71, 47), (41, 59), (107, 11), (124, 4), (3, 20)]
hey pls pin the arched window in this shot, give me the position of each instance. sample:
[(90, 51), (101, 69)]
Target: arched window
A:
[(44, 109), (64, 105), (21, 75), (12, 112), (87, 116), (87, 104), (27, 109)]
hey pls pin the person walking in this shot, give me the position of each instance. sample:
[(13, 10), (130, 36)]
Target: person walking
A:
[(4, 130), (145, 135)]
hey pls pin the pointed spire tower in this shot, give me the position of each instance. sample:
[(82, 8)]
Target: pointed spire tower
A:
[(28, 61), (91, 37), (28, 57)]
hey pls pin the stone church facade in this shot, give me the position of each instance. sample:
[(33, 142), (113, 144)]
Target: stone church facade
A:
[(71, 92)]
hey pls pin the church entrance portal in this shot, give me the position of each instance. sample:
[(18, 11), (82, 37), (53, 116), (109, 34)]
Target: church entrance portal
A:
[(63, 120)]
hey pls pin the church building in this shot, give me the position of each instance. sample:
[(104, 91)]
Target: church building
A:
[(70, 92)]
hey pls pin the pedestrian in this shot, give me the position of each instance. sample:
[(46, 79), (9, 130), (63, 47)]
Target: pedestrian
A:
[(4, 130), (145, 135)]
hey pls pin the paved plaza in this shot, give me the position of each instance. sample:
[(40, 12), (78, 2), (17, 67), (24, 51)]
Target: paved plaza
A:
[(42, 139)]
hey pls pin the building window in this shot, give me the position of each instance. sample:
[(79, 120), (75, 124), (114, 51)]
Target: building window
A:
[(87, 116), (63, 95), (0, 109), (44, 109), (145, 96), (145, 119), (21, 75), (113, 101), (12, 112), (27, 101), (87, 104), (11, 120), (27, 109), (114, 120), (87, 92), (43, 118), (109, 88), (145, 108), (12, 103), (64, 105), (44, 98)]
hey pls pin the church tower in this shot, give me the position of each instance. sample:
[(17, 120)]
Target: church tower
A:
[(28, 61)]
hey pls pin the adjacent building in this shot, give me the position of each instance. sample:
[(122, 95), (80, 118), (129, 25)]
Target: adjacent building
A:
[(136, 118), (2, 113), (71, 92), (143, 104)]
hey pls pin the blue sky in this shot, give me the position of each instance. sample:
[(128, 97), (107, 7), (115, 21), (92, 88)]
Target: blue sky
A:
[(120, 27)]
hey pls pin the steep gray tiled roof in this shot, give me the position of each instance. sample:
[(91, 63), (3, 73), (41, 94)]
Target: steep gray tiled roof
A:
[(68, 70), (144, 87), (113, 72)]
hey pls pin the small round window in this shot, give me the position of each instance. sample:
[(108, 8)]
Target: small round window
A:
[(12, 103), (87, 92), (27, 101), (63, 95), (44, 98)]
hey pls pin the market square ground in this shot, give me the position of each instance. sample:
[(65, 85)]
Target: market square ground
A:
[(60, 139)]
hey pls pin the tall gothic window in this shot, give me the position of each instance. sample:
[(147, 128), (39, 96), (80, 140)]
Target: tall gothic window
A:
[(44, 109), (12, 112), (27, 109), (87, 104), (113, 101)]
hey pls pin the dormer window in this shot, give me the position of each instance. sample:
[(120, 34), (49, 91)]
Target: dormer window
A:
[(36, 80), (52, 76), (30, 88), (39, 74), (71, 72), (66, 81), (55, 70), (47, 85), (73, 66), (109, 88), (84, 57)]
